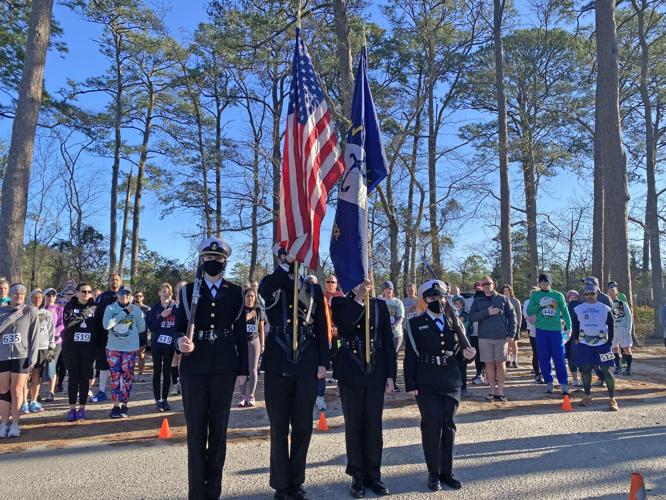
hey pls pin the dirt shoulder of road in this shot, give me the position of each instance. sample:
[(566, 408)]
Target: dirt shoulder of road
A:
[(49, 429)]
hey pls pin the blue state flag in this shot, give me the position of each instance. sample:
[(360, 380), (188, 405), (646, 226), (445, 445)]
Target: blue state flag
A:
[(365, 167)]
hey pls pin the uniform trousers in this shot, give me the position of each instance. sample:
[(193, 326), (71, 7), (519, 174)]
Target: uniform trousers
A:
[(362, 408), (289, 401), (207, 402), (438, 431)]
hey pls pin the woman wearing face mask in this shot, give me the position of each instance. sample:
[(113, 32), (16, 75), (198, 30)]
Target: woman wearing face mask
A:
[(79, 344), (432, 374), (162, 326), (19, 327), (123, 321)]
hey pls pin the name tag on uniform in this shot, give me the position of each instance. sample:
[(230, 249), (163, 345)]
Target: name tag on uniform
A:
[(164, 339), (548, 311), (11, 338), (607, 357), (423, 327), (251, 328), (82, 337)]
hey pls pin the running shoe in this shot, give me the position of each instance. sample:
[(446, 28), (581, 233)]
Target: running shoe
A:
[(549, 388), (586, 401), (14, 430), (251, 402), (577, 382), (25, 409), (613, 405), (139, 378), (115, 412), (158, 406), (100, 397), (123, 410), (81, 414), (4, 429), (71, 415), (477, 380), (539, 379), (59, 388), (464, 392), (166, 406), (514, 364), (50, 398), (598, 383), (178, 390), (626, 372), (617, 371), (396, 388), (35, 407), (321, 404), (242, 403)]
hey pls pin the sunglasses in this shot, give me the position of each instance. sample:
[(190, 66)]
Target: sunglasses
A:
[(85, 291), (486, 284)]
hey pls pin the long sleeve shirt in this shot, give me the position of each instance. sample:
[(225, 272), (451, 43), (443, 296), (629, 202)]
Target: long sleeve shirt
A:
[(549, 309)]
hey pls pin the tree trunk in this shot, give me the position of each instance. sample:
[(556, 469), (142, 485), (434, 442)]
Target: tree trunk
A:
[(218, 165), (598, 208), (651, 211), (531, 211), (432, 168), (123, 236), (16, 182), (609, 142), (143, 155), (503, 140), (115, 173), (344, 55), (276, 156)]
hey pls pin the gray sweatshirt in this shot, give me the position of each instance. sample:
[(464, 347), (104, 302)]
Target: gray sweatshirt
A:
[(499, 326), (19, 327), (46, 336)]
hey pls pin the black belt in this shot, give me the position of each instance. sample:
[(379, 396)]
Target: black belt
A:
[(431, 359), (213, 335), (305, 330), (359, 345)]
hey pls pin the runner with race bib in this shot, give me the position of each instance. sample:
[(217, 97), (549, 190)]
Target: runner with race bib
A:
[(162, 326), (79, 348), (593, 328)]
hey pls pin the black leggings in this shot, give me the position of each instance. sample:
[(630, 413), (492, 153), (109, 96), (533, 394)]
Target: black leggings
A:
[(474, 341), (535, 359), (161, 368), (79, 363), (174, 375)]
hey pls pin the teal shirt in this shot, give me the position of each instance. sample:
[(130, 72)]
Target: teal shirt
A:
[(549, 309), (123, 328)]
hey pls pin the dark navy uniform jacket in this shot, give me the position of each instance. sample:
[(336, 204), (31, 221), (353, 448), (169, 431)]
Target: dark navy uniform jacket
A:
[(277, 290), (222, 315), (349, 365)]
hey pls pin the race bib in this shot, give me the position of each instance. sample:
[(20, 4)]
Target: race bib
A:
[(164, 339), (251, 328), (607, 357), (548, 311), (11, 338), (82, 337)]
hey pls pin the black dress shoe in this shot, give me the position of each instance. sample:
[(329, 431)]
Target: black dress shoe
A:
[(433, 483), (298, 493), (281, 494), (357, 488), (451, 481), (378, 487)]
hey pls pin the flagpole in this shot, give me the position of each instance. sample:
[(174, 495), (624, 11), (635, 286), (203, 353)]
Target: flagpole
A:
[(367, 257), (294, 336)]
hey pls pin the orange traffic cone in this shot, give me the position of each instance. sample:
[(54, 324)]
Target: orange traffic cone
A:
[(566, 404), (165, 432), (637, 490), (322, 425)]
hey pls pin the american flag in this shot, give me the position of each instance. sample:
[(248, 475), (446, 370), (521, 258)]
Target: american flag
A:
[(311, 162)]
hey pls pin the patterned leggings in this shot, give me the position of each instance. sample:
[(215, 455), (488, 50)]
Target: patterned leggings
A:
[(121, 366)]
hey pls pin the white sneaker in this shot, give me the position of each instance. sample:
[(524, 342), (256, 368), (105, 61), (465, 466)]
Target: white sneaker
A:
[(14, 430), (321, 404), (4, 429)]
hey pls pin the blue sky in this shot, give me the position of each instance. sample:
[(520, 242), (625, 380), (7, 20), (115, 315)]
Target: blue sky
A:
[(83, 60)]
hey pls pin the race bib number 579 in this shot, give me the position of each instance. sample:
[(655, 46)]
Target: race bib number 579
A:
[(11, 338)]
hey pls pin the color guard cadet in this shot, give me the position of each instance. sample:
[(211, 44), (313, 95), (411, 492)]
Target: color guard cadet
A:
[(290, 380), (214, 361), (432, 356), (362, 385)]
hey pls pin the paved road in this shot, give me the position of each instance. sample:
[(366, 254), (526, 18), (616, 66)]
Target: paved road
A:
[(527, 448)]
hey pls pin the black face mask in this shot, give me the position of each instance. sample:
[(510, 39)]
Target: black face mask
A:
[(214, 267), (436, 306)]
